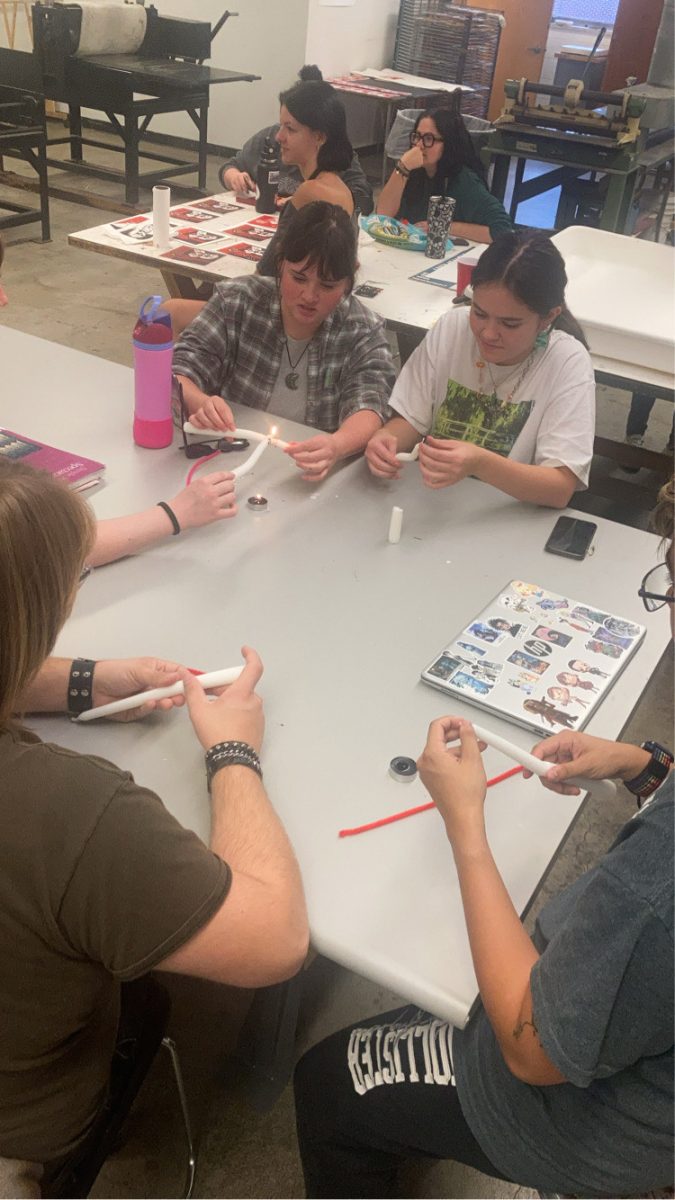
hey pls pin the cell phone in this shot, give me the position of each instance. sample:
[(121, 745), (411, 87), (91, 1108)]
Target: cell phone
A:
[(571, 537)]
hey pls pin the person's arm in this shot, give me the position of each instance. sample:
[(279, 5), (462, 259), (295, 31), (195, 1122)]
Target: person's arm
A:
[(211, 498), (444, 462), (394, 436), (574, 754), (468, 229), (204, 410), (503, 954), (201, 356), (356, 181), (315, 456), (238, 173), (114, 679), (389, 200), (259, 935)]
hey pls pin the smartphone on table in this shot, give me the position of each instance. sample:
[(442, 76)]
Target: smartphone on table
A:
[(571, 537)]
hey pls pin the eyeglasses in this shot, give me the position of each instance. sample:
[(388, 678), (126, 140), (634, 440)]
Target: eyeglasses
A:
[(84, 574), (427, 139), (201, 449), (656, 588)]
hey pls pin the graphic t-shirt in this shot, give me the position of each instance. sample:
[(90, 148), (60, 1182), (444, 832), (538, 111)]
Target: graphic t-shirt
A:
[(549, 421)]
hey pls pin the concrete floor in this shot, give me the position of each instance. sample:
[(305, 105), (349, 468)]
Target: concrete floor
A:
[(89, 302)]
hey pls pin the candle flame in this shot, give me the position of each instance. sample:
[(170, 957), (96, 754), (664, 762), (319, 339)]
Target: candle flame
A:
[(273, 431)]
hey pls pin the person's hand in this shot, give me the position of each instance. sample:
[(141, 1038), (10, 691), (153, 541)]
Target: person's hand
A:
[(281, 200), (454, 775), (444, 462), (213, 413), (423, 225), (412, 159), (381, 457), (210, 498), (238, 181), (116, 678), (591, 757), (314, 457), (236, 715)]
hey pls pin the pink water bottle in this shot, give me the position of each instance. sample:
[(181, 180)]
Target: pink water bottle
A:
[(153, 352)]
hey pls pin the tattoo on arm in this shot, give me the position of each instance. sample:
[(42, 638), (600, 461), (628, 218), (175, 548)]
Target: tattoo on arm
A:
[(520, 1029)]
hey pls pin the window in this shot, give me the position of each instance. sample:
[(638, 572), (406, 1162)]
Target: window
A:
[(597, 12)]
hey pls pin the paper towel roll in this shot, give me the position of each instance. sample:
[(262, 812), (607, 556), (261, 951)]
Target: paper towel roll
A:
[(111, 27), (161, 203)]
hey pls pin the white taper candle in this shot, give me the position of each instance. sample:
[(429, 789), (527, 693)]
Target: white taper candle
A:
[(395, 525), (603, 788), (211, 679), (412, 456), (161, 203)]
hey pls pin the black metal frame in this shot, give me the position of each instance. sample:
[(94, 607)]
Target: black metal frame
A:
[(23, 135)]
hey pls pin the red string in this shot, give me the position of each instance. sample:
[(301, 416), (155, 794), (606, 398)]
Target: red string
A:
[(199, 463), (412, 812)]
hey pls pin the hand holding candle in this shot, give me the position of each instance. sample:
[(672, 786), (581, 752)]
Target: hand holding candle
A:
[(212, 679)]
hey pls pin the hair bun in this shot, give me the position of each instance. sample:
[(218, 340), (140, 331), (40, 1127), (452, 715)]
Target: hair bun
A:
[(309, 71)]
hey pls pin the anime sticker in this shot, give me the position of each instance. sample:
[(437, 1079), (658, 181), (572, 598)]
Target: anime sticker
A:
[(485, 633), (444, 666), (549, 713), (605, 648), (479, 650), (469, 683), (524, 682), (520, 659), (552, 604), (555, 636), (504, 626), (604, 636), (526, 589), (563, 695), (590, 614), (517, 604), (622, 628)]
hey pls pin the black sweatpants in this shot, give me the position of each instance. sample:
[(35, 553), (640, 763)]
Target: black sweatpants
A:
[(370, 1097)]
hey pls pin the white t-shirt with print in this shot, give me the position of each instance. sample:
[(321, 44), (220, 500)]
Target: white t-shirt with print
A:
[(549, 422)]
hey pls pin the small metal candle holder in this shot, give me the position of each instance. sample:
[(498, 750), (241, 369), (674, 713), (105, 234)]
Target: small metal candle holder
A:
[(257, 503)]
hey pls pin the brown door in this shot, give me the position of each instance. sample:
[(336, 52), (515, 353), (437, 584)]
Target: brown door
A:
[(632, 44), (522, 45)]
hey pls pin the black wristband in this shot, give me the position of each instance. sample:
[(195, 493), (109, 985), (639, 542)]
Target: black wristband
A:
[(231, 754), (81, 686), (402, 170), (171, 515)]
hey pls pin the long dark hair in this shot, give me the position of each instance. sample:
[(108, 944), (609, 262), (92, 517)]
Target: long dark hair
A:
[(322, 235), (533, 270), (314, 103), (458, 149)]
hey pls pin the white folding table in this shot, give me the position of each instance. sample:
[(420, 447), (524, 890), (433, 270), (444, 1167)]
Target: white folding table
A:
[(344, 622)]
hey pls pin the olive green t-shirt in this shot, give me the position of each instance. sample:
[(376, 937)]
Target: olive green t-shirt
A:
[(98, 883)]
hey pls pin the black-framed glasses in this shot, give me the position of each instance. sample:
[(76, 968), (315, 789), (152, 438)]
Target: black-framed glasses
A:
[(427, 139), (656, 588), (202, 448)]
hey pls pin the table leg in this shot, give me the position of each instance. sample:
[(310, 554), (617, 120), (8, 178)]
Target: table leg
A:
[(183, 287), (500, 175), (131, 140), (515, 198), (202, 126), (266, 1045), (617, 204), (388, 122), (75, 129)]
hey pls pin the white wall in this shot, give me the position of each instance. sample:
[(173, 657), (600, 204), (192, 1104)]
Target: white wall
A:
[(349, 37), (267, 39)]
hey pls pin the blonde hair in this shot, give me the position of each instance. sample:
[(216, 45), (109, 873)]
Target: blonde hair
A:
[(45, 533), (662, 519)]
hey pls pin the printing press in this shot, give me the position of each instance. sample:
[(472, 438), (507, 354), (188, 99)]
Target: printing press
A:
[(579, 132), (130, 62)]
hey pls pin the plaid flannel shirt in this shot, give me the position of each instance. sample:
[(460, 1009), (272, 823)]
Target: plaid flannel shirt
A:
[(235, 346)]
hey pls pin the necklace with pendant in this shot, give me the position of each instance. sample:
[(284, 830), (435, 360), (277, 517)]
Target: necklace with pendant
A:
[(291, 378), (481, 364)]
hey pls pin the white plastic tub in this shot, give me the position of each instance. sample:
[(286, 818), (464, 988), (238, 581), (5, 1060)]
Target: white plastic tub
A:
[(621, 290)]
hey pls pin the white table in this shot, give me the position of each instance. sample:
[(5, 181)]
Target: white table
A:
[(344, 623)]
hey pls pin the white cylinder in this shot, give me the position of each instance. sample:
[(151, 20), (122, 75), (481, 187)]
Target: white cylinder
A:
[(395, 525), (211, 679), (161, 203)]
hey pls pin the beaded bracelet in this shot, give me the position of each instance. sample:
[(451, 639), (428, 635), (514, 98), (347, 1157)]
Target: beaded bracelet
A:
[(402, 170), (231, 754), (79, 698)]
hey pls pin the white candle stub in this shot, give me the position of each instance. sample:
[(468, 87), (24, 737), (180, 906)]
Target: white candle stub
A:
[(395, 525), (210, 679), (603, 788), (412, 456)]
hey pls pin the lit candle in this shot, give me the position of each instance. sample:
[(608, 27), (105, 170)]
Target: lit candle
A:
[(604, 789), (277, 441), (248, 465), (211, 679), (404, 456)]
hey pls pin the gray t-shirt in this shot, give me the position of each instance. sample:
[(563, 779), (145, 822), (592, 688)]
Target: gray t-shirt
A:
[(291, 402), (603, 1006)]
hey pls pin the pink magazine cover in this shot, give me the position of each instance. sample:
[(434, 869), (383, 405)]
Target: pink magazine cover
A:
[(74, 469)]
